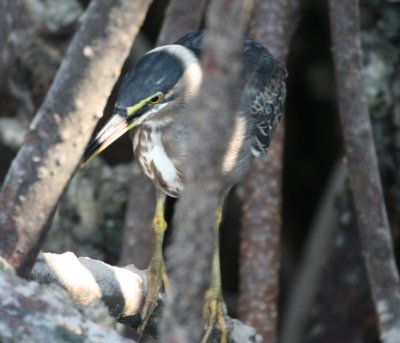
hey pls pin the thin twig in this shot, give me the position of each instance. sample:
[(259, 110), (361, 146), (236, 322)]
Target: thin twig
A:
[(316, 252), (63, 125), (363, 168)]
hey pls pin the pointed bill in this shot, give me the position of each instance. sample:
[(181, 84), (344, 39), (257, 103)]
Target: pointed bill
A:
[(114, 129)]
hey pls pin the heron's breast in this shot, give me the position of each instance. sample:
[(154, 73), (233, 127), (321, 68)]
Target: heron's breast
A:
[(155, 162)]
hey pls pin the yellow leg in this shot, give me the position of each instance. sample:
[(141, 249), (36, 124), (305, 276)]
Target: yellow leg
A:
[(214, 310), (156, 271)]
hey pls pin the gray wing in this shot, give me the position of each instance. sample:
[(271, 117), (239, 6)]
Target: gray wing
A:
[(263, 89), (193, 41), (264, 93)]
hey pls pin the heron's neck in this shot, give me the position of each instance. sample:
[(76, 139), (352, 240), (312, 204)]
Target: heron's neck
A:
[(152, 149)]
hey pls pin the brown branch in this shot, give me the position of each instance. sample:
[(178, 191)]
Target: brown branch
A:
[(273, 24), (182, 16), (259, 250), (363, 168), (121, 289), (63, 125), (191, 253)]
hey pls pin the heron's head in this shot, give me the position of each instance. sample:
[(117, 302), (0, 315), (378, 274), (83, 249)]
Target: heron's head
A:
[(156, 92)]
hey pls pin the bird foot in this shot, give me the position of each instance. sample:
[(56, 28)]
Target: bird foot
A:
[(157, 280), (214, 312)]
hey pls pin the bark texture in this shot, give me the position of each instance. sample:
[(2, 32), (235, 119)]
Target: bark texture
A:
[(363, 168), (273, 24), (182, 16), (191, 253), (63, 125), (32, 313)]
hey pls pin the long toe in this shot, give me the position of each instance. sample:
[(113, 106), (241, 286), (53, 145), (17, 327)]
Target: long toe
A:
[(157, 280), (215, 318)]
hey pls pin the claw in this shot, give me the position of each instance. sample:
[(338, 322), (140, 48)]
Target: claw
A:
[(215, 314)]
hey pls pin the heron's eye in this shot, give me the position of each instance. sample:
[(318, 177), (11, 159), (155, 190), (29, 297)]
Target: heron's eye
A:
[(155, 99)]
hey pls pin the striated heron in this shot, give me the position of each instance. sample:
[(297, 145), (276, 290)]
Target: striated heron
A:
[(154, 103)]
